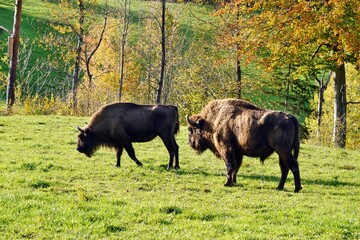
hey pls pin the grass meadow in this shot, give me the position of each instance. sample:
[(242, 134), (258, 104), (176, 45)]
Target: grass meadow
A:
[(50, 191)]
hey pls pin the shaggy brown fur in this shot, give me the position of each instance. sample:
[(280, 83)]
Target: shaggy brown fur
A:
[(117, 125), (233, 128)]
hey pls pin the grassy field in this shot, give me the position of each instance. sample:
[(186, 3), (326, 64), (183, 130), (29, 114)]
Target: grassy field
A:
[(50, 191)]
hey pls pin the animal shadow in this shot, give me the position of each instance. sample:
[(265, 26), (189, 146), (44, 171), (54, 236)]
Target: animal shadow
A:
[(322, 182)]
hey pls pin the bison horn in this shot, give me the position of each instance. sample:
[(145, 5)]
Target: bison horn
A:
[(191, 122), (81, 130)]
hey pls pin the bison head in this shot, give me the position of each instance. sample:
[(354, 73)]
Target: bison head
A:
[(86, 143), (198, 133)]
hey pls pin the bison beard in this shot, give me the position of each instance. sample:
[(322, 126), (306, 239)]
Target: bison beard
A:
[(233, 128), (117, 125)]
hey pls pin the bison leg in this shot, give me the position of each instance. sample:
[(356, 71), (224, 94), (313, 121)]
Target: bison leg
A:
[(294, 167), (131, 152), (119, 151), (232, 168), (284, 174), (177, 164), (237, 167), (229, 179), (287, 161), (173, 150), (232, 163)]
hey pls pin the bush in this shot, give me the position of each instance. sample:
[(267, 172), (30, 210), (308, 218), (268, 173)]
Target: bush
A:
[(38, 105)]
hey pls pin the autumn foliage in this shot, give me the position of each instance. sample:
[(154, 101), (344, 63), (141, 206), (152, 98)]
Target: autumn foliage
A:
[(269, 52)]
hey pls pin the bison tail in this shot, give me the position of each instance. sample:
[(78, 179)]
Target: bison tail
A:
[(296, 140), (177, 125)]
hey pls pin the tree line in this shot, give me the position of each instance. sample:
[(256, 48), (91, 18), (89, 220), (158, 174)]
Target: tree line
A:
[(275, 53)]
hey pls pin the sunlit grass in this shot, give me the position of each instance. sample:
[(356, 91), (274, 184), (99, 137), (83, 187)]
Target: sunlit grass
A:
[(48, 190)]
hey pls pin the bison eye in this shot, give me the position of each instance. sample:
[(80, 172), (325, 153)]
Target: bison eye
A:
[(82, 137)]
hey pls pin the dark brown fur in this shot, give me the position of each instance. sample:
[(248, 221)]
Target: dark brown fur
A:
[(117, 125), (233, 128)]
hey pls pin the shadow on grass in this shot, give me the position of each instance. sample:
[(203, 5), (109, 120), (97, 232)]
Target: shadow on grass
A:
[(268, 178), (330, 182), (196, 171), (181, 171)]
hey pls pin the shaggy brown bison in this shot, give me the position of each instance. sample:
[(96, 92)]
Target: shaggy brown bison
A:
[(117, 125), (233, 128)]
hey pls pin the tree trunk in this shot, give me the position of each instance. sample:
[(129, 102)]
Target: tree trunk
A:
[(163, 54), (238, 63), (287, 89), (238, 72), (322, 83), (339, 132), (122, 63), (126, 22), (80, 36), (320, 110), (149, 66), (10, 99)]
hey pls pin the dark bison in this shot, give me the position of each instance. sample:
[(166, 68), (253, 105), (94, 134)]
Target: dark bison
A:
[(233, 128), (117, 125)]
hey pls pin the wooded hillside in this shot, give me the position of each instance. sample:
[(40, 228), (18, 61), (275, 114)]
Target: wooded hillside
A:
[(75, 56)]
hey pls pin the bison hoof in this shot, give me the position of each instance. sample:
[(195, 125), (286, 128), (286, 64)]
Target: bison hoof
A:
[(139, 164), (297, 189), (229, 184), (170, 167), (117, 165)]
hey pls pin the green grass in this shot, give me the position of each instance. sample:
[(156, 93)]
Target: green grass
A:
[(34, 21), (50, 191)]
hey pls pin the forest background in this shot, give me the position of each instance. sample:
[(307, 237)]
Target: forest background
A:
[(298, 57)]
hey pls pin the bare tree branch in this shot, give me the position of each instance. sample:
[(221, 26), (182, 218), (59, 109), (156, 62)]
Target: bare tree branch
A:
[(316, 51), (6, 30), (100, 38), (351, 102)]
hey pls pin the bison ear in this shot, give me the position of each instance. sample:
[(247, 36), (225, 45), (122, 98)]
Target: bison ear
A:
[(201, 123), (87, 131)]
